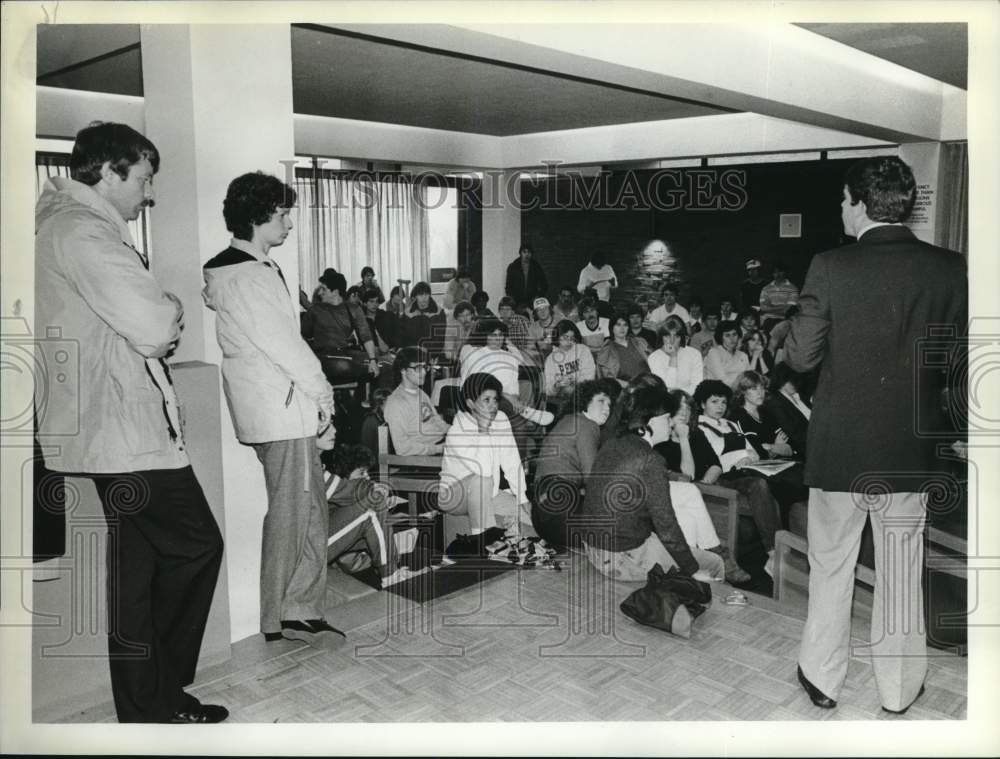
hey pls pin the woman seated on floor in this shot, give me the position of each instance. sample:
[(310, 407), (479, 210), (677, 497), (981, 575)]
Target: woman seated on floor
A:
[(632, 523), (678, 365), (622, 356), (720, 450), (565, 459), (569, 363), (478, 448), (692, 514)]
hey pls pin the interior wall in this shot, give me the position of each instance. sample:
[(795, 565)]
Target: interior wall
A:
[(725, 215)]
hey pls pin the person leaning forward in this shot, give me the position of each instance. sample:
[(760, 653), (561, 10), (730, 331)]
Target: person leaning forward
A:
[(279, 399), (165, 548), (866, 459)]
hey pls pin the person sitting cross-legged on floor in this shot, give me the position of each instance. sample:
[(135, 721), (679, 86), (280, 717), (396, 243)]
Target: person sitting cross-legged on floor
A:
[(358, 512), (478, 448), (628, 513)]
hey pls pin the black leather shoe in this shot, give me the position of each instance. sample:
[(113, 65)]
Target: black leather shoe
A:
[(271, 637), (200, 714), (817, 696), (316, 632), (905, 708)]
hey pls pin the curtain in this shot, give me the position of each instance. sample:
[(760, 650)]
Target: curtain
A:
[(349, 222), (57, 165), (954, 214)]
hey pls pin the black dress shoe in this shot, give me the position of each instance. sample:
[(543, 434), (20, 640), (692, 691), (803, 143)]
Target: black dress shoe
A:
[(818, 697), (905, 708), (316, 632), (200, 714)]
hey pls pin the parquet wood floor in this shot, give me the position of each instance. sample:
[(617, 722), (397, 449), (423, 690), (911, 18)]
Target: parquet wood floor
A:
[(544, 646)]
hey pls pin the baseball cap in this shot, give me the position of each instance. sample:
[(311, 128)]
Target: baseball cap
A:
[(540, 303), (753, 263)]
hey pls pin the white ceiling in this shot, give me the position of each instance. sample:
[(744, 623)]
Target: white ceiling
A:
[(357, 76)]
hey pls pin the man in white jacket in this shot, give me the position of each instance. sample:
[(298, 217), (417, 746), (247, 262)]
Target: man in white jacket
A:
[(279, 399), (115, 419)]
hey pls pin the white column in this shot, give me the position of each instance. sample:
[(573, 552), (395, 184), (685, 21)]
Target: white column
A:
[(218, 104), (501, 230)]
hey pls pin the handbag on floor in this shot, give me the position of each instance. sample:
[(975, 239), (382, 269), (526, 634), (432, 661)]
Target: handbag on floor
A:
[(670, 601)]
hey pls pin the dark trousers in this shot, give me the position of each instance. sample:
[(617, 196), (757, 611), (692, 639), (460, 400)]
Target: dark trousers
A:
[(163, 556)]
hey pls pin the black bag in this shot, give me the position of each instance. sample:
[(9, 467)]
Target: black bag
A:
[(669, 601)]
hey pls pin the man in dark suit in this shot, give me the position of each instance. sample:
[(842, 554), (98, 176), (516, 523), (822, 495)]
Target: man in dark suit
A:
[(865, 307)]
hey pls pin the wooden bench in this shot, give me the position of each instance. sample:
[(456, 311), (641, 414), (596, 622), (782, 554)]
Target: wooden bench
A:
[(393, 471)]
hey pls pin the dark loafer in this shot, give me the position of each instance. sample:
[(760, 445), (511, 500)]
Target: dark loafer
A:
[(202, 714), (818, 697), (905, 708)]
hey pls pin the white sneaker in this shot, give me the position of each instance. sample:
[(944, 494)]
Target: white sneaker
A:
[(402, 574), (538, 416), (769, 564)]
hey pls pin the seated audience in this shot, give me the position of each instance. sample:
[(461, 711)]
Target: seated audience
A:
[(669, 306), (619, 396), (749, 322), (458, 330), (678, 365), (726, 312), (479, 300), (593, 328), (768, 439), (368, 283), (569, 363), (541, 332), (788, 408), (565, 307), (599, 275), (338, 331), (479, 448), (379, 321), (628, 499), (358, 511), (725, 362), (517, 326), (636, 329), (692, 514), (622, 356), (752, 285), (373, 419), (460, 288), (754, 346), (425, 322), (354, 295), (415, 427), (567, 455), (695, 312), (704, 339), (720, 450)]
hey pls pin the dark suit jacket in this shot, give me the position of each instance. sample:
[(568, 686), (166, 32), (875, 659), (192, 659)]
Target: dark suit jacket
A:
[(865, 308), (525, 290), (782, 413)]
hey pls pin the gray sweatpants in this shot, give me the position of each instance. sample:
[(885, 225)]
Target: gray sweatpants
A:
[(293, 550)]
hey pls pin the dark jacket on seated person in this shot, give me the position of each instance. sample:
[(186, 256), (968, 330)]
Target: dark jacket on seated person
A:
[(629, 486), (786, 416), (331, 329)]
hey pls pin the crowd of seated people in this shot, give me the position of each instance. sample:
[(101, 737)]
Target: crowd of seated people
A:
[(687, 394)]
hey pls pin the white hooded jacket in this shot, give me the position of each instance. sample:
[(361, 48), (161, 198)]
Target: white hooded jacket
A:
[(274, 384)]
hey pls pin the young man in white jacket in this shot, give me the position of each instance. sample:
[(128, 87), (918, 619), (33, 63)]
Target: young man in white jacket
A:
[(279, 399)]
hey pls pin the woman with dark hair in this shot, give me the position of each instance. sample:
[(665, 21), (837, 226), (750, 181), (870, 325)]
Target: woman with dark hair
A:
[(754, 345), (725, 361), (720, 450), (678, 365), (636, 316), (749, 321), (628, 498), (599, 275), (568, 453), (425, 324), (368, 282), (622, 356), (569, 363), (478, 448)]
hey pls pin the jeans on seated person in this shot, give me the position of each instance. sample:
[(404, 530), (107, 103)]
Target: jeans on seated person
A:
[(633, 565), (473, 495), (762, 506)]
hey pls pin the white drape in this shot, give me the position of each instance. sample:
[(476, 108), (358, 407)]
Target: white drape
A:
[(352, 222)]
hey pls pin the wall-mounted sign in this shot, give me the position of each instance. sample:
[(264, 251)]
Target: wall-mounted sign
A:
[(790, 225)]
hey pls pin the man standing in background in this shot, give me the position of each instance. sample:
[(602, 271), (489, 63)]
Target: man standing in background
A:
[(864, 307), (164, 546)]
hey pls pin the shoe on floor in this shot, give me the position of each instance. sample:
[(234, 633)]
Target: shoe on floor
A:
[(316, 632), (905, 708), (196, 713), (735, 574), (818, 697), (402, 574)]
